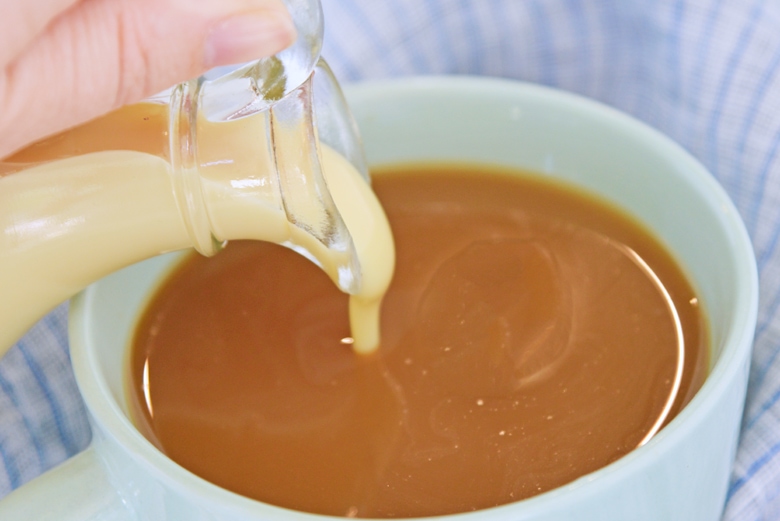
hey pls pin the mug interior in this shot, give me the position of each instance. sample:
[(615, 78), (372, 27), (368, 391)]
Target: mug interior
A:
[(508, 124)]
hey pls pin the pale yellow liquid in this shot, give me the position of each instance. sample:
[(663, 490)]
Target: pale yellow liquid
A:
[(68, 222)]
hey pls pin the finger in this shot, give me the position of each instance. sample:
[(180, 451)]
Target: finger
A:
[(105, 53), (23, 20)]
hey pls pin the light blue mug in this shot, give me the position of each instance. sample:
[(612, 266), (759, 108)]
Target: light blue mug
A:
[(681, 474)]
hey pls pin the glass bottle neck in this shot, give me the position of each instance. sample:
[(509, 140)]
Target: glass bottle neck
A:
[(271, 155)]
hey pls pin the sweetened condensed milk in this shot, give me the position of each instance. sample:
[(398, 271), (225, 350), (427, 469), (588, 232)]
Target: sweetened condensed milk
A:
[(82, 204), (530, 336)]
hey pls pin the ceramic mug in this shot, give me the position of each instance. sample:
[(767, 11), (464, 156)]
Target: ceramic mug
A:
[(681, 474)]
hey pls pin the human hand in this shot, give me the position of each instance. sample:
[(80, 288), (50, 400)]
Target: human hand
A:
[(67, 61)]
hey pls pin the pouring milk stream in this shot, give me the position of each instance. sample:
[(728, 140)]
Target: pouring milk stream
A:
[(238, 157)]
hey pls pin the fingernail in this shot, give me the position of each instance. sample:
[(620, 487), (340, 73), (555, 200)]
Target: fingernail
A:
[(248, 36)]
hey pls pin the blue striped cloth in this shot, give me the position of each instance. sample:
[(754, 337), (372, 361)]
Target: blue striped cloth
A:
[(705, 72)]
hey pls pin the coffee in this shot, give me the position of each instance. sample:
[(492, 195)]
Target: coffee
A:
[(531, 335)]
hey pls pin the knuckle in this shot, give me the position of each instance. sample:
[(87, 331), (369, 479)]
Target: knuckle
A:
[(133, 61), (153, 53)]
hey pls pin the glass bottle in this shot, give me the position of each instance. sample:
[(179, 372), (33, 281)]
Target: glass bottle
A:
[(236, 156)]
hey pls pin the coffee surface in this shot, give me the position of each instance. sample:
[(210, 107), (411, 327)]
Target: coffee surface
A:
[(531, 335)]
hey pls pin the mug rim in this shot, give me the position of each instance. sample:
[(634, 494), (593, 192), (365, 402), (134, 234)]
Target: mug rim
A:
[(733, 358)]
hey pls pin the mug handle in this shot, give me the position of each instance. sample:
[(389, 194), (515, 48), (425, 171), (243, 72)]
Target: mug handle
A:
[(78, 489)]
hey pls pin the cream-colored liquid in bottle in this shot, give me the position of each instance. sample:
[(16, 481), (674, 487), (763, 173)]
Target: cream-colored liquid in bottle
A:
[(83, 204)]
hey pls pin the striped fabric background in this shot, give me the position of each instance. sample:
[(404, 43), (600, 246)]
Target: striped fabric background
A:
[(705, 72)]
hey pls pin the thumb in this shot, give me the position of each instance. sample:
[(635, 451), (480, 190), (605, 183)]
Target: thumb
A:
[(101, 54)]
